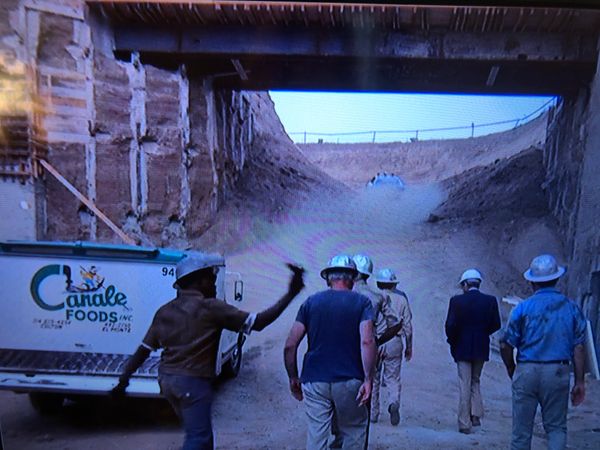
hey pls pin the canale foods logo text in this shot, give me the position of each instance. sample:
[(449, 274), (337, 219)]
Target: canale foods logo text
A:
[(86, 301)]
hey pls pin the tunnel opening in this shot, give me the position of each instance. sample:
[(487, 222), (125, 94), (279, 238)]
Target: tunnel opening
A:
[(159, 114), (178, 98)]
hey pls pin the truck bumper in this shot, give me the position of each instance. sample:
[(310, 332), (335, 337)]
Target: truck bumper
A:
[(76, 385)]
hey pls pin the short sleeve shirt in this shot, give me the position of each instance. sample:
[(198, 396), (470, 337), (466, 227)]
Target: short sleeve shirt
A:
[(188, 329), (401, 310), (545, 327), (383, 316), (332, 320)]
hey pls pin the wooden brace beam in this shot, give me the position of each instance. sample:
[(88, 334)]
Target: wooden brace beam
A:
[(87, 202)]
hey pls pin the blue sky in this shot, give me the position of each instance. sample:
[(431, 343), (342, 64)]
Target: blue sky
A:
[(341, 112)]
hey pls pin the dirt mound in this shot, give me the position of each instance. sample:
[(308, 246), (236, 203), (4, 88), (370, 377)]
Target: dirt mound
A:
[(507, 189), (505, 203), (421, 161), (275, 179)]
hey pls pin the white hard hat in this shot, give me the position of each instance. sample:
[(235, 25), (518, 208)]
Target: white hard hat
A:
[(544, 268), (342, 262), (386, 276), (364, 264), (194, 262), (470, 274)]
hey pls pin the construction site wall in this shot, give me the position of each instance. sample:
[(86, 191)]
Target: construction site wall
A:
[(572, 161), (142, 143)]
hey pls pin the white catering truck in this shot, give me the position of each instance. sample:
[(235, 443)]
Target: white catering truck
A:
[(72, 313)]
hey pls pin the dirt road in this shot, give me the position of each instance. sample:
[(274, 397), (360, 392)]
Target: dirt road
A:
[(255, 411)]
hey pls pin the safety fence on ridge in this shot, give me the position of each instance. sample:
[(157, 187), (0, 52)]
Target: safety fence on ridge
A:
[(420, 134)]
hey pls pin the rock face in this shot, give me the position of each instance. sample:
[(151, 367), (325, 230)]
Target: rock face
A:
[(572, 160), (157, 151)]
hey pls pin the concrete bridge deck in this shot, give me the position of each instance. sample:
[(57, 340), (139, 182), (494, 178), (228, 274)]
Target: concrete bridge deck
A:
[(363, 47)]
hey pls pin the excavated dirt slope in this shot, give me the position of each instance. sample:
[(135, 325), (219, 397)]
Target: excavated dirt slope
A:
[(493, 186), (276, 178), (504, 201), (421, 161)]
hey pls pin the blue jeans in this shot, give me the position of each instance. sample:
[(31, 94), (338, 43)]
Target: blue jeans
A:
[(548, 386), (191, 398)]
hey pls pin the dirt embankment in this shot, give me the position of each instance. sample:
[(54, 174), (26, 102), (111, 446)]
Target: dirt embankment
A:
[(501, 191), (275, 179), (422, 161), (504, 202)]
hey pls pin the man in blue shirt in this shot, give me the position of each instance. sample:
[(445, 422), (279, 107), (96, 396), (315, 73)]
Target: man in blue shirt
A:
[(548, 331), (337, 373)]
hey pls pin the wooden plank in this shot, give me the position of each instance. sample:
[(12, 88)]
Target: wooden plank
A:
[(87, 202), (590, 350)]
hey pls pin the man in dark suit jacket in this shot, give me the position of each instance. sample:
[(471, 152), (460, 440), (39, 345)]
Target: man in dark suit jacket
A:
[(472, 318)]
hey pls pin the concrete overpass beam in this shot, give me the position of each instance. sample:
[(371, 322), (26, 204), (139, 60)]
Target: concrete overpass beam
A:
[(290, 42)]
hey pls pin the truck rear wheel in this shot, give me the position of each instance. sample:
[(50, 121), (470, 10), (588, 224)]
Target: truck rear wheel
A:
[(232, 367), (46, 403)]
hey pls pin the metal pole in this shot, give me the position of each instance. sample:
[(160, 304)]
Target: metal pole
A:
[(374, 132), (417, 135), (305, 137), (472, 129)]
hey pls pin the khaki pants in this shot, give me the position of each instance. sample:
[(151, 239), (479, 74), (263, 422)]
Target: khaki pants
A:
[(320, 399), (470, 402), (388, 373)]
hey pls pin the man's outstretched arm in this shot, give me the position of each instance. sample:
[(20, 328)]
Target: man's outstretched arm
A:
[(132, 364), (269, 315), (290, 358)]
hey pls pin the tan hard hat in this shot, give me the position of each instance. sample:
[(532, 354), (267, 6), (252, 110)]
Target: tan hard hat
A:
[(544, 268), (194, 262), (339, 262), (364, 264), (386, 276)]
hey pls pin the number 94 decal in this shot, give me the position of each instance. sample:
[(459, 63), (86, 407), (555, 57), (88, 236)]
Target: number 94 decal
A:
[(168, 271)]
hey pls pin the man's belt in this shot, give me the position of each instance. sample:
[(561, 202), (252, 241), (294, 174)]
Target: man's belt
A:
[(564, 362)]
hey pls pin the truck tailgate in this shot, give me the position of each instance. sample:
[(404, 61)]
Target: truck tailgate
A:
[(73, 372)]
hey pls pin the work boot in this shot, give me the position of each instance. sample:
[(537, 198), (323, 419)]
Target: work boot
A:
[(394, 410), (374, 418), (464, 430), (476, 421)]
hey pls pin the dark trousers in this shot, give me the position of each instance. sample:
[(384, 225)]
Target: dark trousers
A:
[(191, 398)]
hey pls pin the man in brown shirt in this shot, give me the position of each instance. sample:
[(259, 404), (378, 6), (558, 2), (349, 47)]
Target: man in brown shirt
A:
[(188, 329)]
